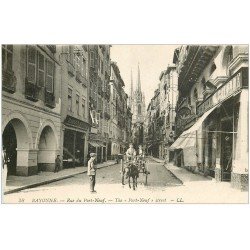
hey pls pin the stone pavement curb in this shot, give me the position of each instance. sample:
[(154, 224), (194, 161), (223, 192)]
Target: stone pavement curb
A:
[(182, 177), (37, 184), (162, 161)]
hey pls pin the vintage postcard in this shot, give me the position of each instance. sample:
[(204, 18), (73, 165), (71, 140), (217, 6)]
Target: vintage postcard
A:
[(137, 124)]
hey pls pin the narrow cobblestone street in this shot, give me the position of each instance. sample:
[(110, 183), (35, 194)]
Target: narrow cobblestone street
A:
[(162, 187), (108, 185)]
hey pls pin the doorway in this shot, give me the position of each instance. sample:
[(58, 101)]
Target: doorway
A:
[(10, 143)]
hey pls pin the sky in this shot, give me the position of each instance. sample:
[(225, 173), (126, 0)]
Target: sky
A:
[(153, 59)]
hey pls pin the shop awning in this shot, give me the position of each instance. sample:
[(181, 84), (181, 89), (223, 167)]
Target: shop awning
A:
[(199, 122), (188, 137), (94, 144)]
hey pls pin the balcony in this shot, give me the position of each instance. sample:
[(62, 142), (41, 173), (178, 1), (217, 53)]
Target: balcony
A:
[(9, 82), (31, 91), (49, 99), (71, 69), (79, 77), (194, 63)]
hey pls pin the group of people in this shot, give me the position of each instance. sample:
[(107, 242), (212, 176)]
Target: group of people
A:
[(131, 155)]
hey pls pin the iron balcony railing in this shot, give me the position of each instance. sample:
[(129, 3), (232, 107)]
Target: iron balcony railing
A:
[(49, 99), (31, 91)]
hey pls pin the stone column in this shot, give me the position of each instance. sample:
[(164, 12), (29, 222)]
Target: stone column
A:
[(200, 145), (46, 159), (239, 176), (26, 162), (217, 170)]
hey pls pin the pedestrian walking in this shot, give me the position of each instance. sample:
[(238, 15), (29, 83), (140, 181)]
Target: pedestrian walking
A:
[(92, 172), (5, 161), (57, 164)]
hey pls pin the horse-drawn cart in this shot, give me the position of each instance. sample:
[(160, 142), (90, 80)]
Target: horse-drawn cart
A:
[(133, 169)]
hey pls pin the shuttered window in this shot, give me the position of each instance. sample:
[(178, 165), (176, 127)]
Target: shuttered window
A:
[(49, 76), (7, 57), (32, 59), (41, 70)]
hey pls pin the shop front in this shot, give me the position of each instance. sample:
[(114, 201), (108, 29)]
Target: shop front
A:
[(75, 142), (217, 144), (225, 132)]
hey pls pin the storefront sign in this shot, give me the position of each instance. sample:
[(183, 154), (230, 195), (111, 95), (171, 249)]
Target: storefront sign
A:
[(72, 121), (230, 87)]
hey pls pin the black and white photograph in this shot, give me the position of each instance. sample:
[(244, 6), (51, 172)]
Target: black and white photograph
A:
[(124, 123)]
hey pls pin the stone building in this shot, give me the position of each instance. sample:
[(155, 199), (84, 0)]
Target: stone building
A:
[(31, 107), (212, 107), (74, 112), (120, 114), (154, 133), (99, 100), (166, 121)]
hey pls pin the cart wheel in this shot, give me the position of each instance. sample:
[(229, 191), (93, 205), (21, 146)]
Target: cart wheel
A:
[(123, 179)]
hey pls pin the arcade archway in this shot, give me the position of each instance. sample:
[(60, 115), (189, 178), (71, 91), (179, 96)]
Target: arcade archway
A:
[(16, 141), (47, 150)]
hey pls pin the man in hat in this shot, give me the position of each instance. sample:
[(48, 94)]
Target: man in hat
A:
[(92, 172), (57, 164), (5, 161), (131, 156), (130, 153)]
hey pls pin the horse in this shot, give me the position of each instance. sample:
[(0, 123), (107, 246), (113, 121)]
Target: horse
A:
[(132, 172)]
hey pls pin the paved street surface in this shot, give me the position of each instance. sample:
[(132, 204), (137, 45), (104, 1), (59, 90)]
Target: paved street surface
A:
[(162, 187)]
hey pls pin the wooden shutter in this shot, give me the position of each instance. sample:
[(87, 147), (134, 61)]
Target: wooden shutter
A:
[(9, 57), (41, 70), (50, 76), (31, 68)]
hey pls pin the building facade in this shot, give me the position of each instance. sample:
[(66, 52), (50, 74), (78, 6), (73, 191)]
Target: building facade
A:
[(153, 137), (31, 107), (120, 125), (99, 100), (160, 120), (213, 96), (74, 112)]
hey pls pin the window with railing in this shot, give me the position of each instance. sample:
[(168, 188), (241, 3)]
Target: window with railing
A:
[(40, 74)]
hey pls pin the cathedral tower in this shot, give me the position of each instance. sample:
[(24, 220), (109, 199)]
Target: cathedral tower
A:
[(137, 102)]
